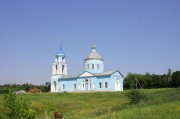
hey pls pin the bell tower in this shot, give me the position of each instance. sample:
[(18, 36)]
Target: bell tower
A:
[(59, 69)]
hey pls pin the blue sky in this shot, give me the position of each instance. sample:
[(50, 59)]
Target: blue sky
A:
[(135, 36)]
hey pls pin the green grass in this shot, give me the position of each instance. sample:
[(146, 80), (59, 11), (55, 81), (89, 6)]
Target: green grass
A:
[(164, 111), (159, 103)]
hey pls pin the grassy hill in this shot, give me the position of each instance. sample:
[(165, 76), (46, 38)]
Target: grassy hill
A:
[(159, 103)]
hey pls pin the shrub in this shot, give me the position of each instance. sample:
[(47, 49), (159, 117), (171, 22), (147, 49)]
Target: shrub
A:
[(16, 107), (135, 96)]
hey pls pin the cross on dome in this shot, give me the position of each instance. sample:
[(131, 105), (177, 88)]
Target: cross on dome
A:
[(94, 48)]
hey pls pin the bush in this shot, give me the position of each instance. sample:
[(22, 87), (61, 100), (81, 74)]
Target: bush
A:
[(135, 96), (16, 107), (3, 90)]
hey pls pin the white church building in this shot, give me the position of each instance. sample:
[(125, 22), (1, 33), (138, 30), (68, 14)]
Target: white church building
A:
[(92, 79)]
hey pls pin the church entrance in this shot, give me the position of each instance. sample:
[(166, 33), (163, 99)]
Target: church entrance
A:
[(86, 85)]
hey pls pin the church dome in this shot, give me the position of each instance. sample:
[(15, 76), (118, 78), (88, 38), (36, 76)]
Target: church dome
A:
[(94, 55), (60, 53)]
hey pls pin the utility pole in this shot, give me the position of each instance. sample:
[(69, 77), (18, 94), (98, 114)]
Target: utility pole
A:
[(137, 82)]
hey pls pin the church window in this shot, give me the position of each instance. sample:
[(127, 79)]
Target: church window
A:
[(106, 85), (100, 86), (74, 86), (56, 67), (97, 66), (62, 69), (87, 66), (63, 86), (92, 66), (55, 85)]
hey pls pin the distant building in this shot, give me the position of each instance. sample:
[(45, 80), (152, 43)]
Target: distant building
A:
[(35, 90), (92, 79), (20, 92)]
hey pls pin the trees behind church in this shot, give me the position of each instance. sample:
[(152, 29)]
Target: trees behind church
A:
[(137, 81)]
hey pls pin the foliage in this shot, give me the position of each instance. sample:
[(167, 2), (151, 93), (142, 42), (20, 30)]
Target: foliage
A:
[(26, 87), (147, 81), (169, 110), (175, 81), (135, 96), (45, 88), (16, 107)]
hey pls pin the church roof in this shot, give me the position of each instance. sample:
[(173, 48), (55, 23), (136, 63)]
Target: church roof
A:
[(94, 75), (105, 73), (70, 76), (60, 52), (93, 54)]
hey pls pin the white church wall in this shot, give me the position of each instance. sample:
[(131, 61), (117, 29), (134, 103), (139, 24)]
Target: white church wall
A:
[(86, 81), (103, 80), (67, 85), (118, 81), (54, 84)]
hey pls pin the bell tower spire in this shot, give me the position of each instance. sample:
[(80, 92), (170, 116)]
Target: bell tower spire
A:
[(61, 44)]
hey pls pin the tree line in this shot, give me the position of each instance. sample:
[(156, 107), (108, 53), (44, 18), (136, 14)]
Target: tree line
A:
[(146, 81), (26, 87)]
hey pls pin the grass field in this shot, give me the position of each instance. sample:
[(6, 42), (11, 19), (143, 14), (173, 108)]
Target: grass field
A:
[(158, 104)]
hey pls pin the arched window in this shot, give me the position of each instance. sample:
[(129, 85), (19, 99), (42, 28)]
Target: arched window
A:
[(106, 85), (74, 86), (87, 66), (92, 66), (63, 86), (54, 85), (100, 86), (97, 66), (56, 67), (62, 69)]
